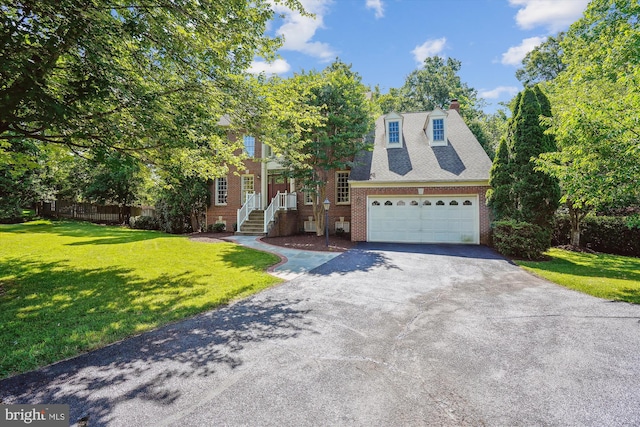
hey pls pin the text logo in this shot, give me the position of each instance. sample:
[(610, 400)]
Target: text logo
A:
[(34, 415)]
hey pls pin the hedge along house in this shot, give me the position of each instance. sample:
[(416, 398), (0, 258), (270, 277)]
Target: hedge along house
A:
[(424, 182)]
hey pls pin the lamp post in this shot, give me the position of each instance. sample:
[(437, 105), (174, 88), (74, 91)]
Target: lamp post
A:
[(326, 220)]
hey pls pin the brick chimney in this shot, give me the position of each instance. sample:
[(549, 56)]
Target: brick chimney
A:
[(455, 105)]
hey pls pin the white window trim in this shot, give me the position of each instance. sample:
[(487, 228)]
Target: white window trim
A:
[(308, 198), (393, 118), (348, 202), (435, 115), (217, 191)]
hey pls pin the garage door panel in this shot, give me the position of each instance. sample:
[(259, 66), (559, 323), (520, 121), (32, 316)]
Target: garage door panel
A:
[(427, 219)]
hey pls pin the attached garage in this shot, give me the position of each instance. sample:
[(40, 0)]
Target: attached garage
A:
[(425, 181), (423, 219)]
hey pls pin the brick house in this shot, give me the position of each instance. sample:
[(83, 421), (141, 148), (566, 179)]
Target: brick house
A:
[(424, 182)]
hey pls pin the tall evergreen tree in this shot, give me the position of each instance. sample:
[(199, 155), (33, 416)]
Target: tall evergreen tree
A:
[(500, 197), (536, 193), (519, 191)]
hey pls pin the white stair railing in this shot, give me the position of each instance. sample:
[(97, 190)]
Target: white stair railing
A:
[(280, 201), (292, 201), (252, 203), (270, 212)]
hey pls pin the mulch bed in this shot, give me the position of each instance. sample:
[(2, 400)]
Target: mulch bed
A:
[(311, 242)]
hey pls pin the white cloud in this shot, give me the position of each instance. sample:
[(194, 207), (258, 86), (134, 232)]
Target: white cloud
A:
[(298, 30), (516, 54), (279, 66), (377, 6), (429, 48), (555, 15), (497, 92)]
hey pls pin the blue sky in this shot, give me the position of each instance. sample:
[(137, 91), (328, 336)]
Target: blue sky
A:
[(385, 40)]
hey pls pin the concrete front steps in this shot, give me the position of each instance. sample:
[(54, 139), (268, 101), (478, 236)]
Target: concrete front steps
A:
[(253, 226)]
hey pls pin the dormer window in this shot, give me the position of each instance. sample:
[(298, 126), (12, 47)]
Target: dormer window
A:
[(393, 130), (435, 127), (438, 130)]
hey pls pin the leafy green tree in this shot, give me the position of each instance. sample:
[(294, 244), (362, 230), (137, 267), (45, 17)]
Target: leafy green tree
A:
[(596, 100), (143, 78), (182, 203), (18, 180), (543, 63), (320, 125), (435, 84), (115, 178)]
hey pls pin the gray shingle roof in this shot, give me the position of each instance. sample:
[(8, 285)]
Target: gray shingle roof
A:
[(462, 159)]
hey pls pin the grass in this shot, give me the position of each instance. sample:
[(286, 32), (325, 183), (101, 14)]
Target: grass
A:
[(612, 277), (69, 287)]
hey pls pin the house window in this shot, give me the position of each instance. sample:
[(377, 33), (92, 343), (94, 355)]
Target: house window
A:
[(342, 188), (308, 197), (221, 191), (394, 132), (250, 145), (247, 187), (438, 129)]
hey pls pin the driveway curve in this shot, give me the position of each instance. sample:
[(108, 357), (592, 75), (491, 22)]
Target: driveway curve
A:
[(380, 335)]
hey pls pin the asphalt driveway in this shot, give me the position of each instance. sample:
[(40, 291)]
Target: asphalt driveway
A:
[(380, 335)]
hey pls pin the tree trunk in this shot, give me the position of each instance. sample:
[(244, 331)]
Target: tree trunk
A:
[(318, 210), (575, 216), (195, 223)]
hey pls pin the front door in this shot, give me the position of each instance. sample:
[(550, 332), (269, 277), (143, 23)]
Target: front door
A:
[(276, 183)]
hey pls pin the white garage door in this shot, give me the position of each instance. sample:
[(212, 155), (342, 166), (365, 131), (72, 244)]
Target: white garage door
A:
[(423, 219)]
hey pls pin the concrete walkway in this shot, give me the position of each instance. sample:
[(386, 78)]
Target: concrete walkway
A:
[(295, 261)]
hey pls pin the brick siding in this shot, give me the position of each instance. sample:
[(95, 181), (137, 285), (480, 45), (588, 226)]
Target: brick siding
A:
[(228, 212)]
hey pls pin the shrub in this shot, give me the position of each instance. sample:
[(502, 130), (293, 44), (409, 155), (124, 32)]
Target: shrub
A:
[(144, 222), (609, 234), (561, 232), (218, 227), (172, 217), (520, 239), (10, 210)]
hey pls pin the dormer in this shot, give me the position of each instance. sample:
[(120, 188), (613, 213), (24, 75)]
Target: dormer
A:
[(393, 130), (435, 127)]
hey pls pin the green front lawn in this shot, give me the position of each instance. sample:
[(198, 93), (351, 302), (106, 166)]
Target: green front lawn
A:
[(68, 287), (613, 277)]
